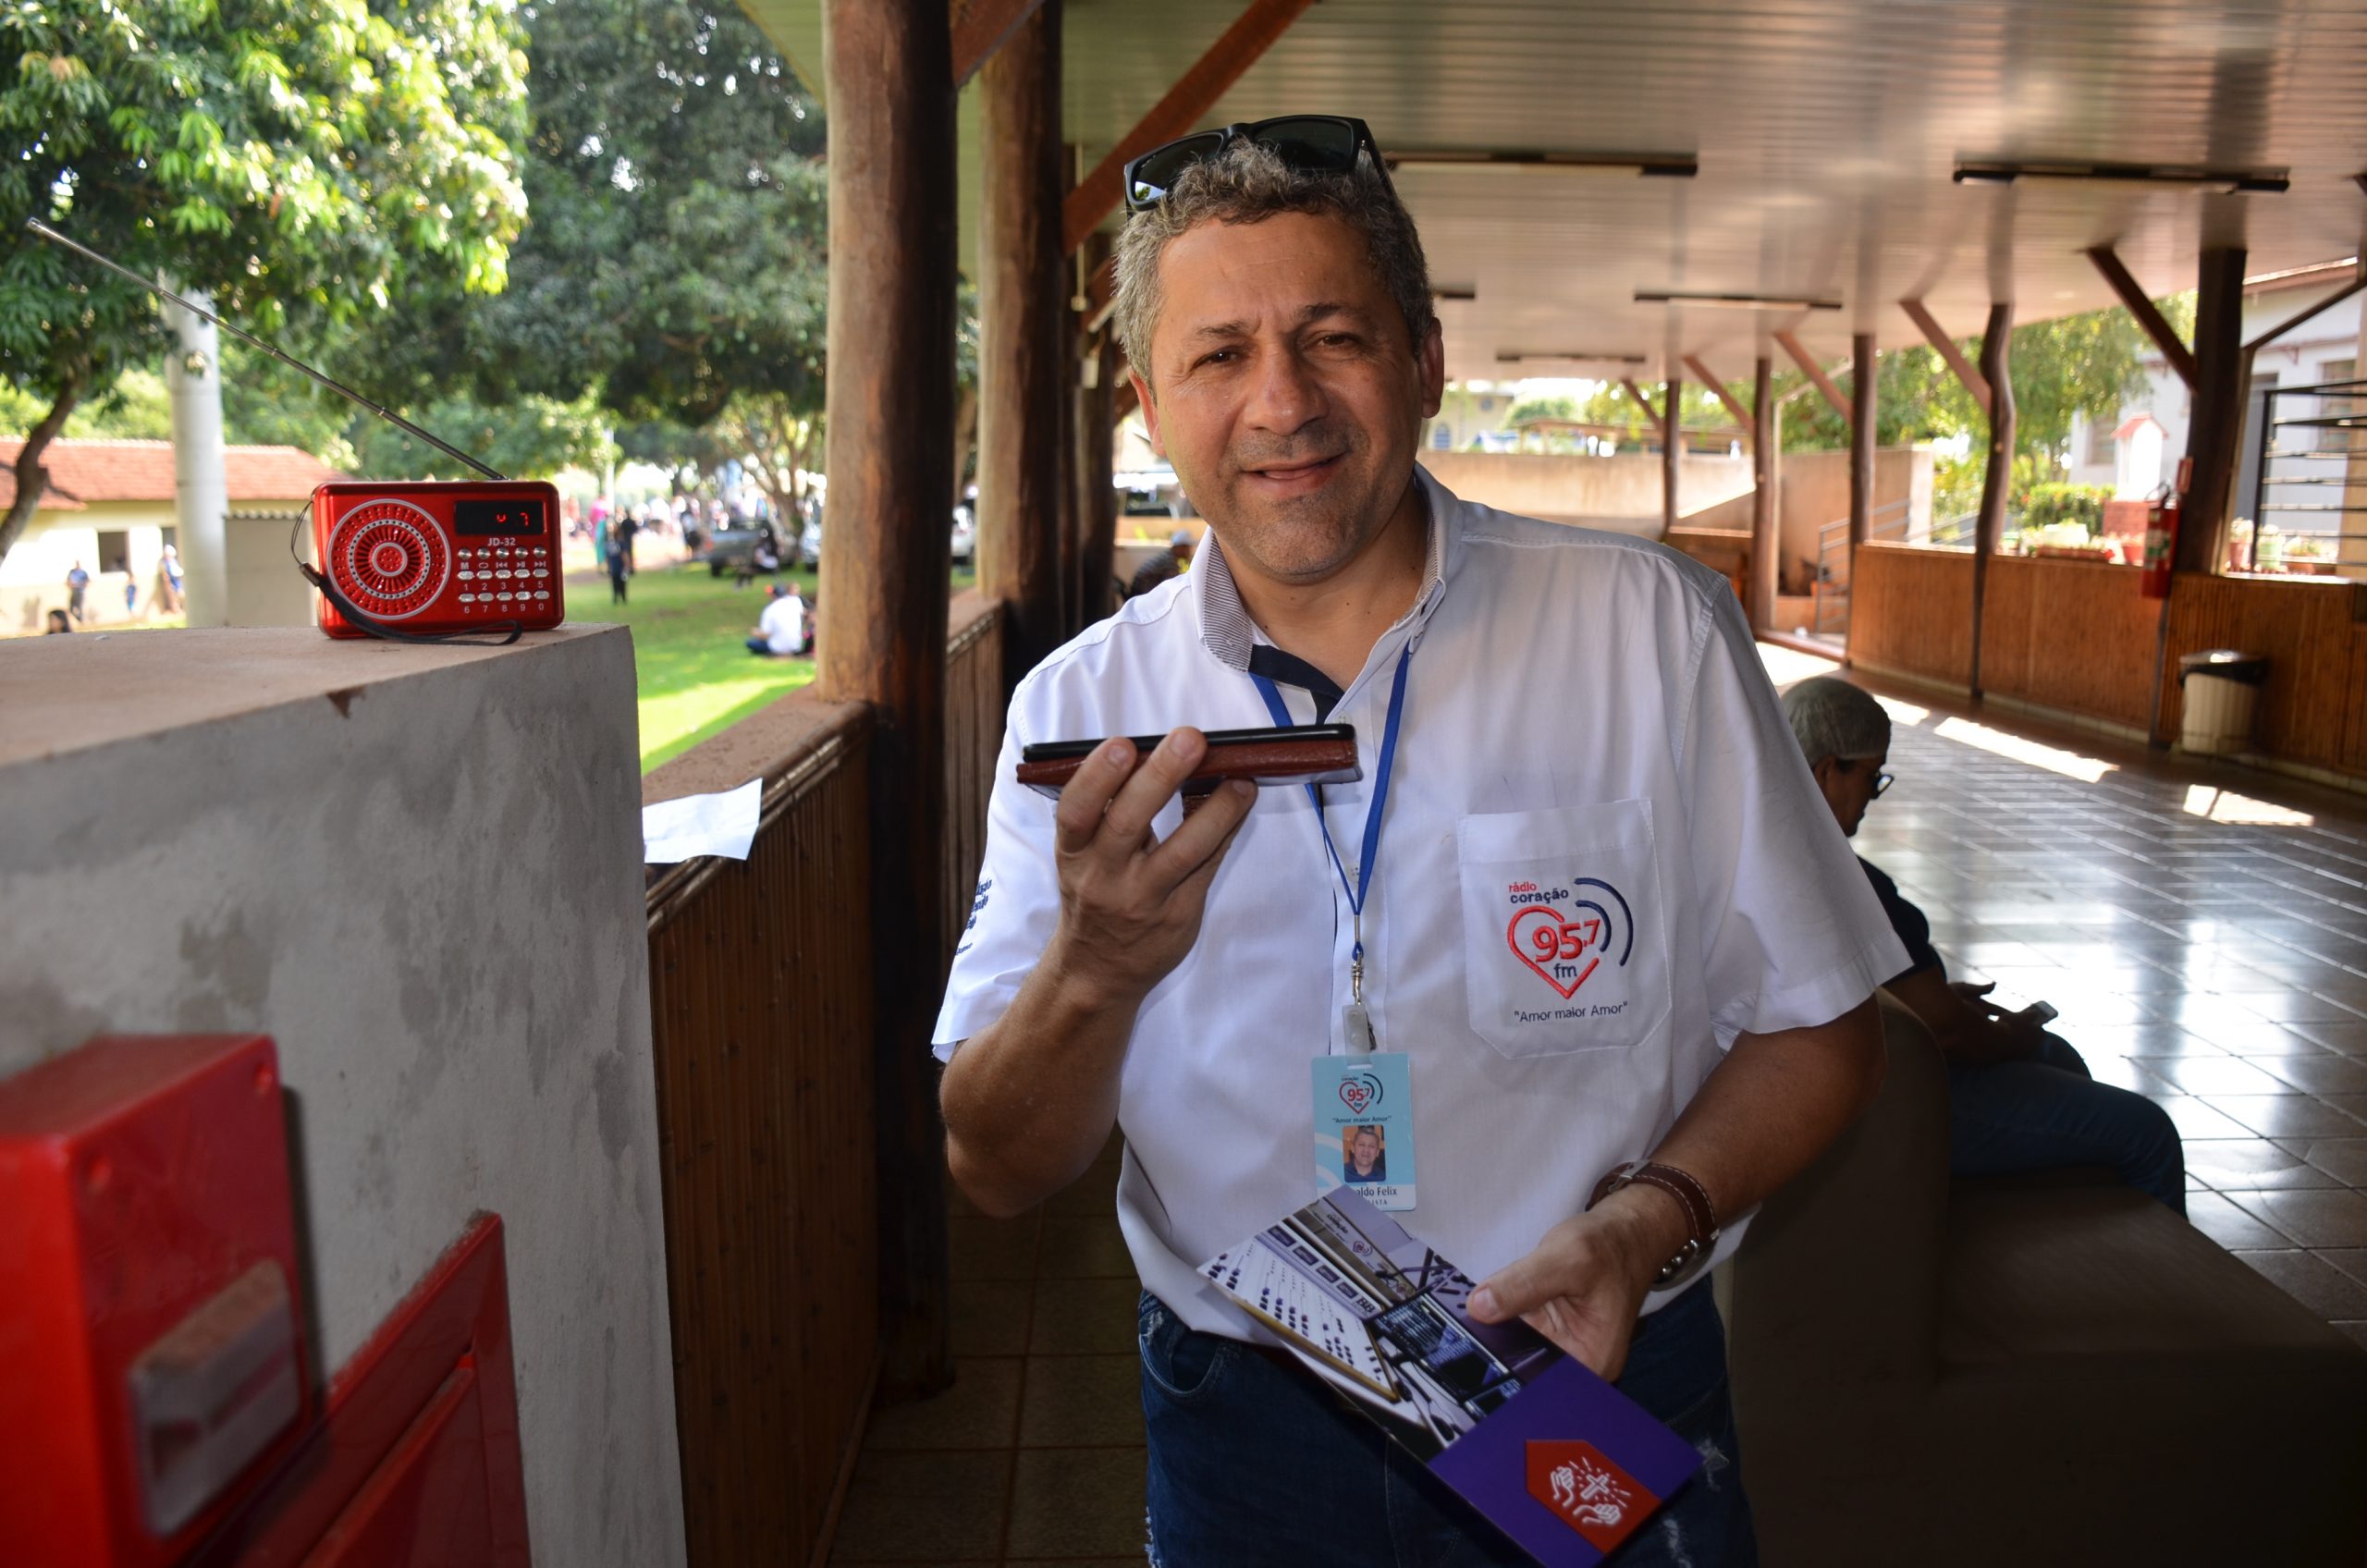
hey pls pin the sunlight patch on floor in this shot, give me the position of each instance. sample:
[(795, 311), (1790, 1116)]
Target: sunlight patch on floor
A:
[(2225, 805), (2071, 764), (1785, 666)]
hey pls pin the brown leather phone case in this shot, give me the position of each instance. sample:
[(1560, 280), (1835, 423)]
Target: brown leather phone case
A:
[(1316, 760)]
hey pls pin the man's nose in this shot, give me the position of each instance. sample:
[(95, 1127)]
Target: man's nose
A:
[(1286, 395)]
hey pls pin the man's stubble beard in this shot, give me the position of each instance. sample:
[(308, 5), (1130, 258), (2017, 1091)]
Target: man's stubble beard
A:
[(1306, 539)]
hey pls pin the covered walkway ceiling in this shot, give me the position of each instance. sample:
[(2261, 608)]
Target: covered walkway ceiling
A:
[(1826, 131)]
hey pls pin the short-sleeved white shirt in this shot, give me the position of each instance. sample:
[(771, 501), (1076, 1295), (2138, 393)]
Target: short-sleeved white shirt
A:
[(1589, 744), (783, 625)]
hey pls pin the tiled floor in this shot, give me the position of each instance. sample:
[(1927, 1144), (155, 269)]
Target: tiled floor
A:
[(1035, 1455), (2202, 928)]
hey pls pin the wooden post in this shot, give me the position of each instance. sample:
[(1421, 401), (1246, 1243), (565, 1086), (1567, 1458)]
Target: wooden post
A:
[(1864, 378), (1022, 338), (1762, 497), (1672, 449), (2216, 428), (1095, 429), (1996, 369), (883, 594)]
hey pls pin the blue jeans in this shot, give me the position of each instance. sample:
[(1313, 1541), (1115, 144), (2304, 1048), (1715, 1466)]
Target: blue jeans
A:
[(1254, 1464), (2045, 1111)]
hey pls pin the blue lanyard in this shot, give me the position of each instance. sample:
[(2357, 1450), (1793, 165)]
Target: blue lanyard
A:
[(1372, 813)]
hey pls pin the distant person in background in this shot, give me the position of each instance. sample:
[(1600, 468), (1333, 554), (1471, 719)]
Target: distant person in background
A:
[(77, 582), (58, 623), (781, 630), (168, 582), (619, 558), (627, 526), (2019, 1098), (1160, 567), (131, 586)]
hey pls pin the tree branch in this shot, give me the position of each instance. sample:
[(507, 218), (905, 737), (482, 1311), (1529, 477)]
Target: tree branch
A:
[(31, 478)]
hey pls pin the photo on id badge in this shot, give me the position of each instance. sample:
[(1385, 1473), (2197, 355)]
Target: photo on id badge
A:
[(1363, 1128)]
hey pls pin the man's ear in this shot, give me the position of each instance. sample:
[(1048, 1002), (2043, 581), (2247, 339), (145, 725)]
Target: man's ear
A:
[(1824, 771), (1431, 358), (1150, 413)]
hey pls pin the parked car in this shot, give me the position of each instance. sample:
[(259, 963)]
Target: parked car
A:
[(732, 547)]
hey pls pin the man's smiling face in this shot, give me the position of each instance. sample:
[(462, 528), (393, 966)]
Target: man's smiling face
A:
[(1285, 391)]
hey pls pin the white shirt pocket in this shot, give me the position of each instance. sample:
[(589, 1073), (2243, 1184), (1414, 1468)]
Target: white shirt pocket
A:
[(1565, 945)]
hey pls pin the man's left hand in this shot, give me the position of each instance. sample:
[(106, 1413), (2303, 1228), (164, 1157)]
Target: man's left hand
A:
[(1584, 1285)]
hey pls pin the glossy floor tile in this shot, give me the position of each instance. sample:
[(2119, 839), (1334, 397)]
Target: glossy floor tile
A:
[(2198, 954)]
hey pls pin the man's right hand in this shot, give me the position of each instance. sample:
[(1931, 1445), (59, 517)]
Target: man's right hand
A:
[(1030, 1099), (1131, 904)]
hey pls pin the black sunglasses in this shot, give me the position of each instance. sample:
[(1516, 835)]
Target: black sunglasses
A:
[(1883, 781), (1310, 143)]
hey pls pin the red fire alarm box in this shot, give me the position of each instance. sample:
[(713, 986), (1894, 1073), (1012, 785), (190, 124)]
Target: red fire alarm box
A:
[(154, 1383), (149, 1353)]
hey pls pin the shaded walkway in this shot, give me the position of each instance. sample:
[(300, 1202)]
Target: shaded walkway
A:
[(2202, 927)]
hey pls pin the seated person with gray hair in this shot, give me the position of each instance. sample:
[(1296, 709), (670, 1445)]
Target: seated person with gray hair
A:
[(2019, 1098)]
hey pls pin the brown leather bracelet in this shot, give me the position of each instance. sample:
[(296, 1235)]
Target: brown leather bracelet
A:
[(1700, 1214)]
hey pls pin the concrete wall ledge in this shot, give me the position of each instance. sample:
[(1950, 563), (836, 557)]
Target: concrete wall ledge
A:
[(416, 868)]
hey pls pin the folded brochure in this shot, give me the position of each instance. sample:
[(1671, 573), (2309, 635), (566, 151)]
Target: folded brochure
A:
[(1558, 1458)]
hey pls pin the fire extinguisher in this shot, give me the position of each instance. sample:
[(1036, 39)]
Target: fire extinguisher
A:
[(2162, 533), (2161, 544)]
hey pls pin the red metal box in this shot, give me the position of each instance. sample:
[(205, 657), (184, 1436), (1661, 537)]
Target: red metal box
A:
[(151, 1362)]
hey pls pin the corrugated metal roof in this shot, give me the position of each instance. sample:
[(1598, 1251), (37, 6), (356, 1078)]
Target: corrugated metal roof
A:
[(1826, 132)]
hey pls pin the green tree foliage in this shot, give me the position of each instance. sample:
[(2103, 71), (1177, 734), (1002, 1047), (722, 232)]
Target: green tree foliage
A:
[(2082, 364), (676, 253), (306, 160)]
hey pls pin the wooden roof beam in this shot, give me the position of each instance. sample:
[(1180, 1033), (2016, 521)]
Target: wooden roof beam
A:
[(1659, 419), (2357, 282), (1945, 346), (1734, 405), (981, 27), (1212, 76), (1822, 381), (2181, 357)]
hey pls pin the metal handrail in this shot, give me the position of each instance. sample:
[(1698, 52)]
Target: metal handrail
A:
[(2333, 406)]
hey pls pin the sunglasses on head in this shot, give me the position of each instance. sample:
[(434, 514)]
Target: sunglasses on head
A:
[(1310, 143)]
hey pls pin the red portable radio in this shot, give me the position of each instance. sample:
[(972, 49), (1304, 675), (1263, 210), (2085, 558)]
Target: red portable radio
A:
[(417, 560), (436, 557)]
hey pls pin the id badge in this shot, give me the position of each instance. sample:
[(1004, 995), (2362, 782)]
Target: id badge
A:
[(1364, 1127)]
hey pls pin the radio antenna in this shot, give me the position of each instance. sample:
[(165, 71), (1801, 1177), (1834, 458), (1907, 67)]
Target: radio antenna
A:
[(339, 388)]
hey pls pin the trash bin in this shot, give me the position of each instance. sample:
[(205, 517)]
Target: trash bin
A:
[(2221, 689)]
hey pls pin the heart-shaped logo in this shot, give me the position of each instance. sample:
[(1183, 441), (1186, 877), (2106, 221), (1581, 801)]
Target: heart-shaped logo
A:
[(1358, 1092), (1541, 939)]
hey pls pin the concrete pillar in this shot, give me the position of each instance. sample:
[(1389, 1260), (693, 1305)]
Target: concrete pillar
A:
[(890, 460), (200, 492)]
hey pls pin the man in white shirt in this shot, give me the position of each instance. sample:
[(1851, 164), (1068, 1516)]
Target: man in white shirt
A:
[(780, 630), (1604, 918)]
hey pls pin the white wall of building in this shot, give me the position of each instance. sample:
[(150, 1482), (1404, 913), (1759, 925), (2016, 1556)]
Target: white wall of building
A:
[(2325, 348)]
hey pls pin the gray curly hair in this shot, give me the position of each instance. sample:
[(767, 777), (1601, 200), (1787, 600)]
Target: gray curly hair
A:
[(1247, 183)]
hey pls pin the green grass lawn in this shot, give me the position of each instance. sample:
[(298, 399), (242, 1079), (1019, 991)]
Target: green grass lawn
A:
[(690, 634)]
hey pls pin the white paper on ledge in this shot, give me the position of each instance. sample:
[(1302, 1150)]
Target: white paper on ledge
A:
[(722, 825)]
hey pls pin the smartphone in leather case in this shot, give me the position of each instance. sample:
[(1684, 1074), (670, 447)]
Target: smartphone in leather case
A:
[(1313, 754)]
